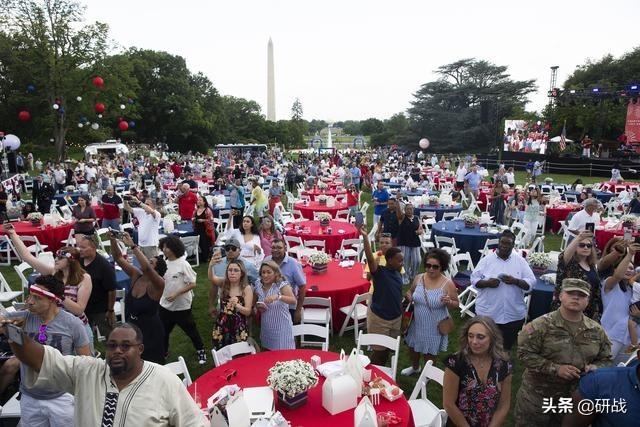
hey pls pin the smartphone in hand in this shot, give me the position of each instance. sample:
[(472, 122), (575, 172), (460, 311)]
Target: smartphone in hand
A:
[(359, 219), (15, 334), (590, 226)]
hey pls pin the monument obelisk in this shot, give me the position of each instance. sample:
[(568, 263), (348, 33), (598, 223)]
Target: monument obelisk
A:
[(271, 84)]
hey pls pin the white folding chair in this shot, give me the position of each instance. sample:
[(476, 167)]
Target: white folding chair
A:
[(424, 412), (317, 310), (7, 251), (489, 245), (6, 294), (228, 352), (467, 300), (350, 248), (447, 244), (11, 409), (304, 329), (318, 245), (35, 247), (392, 344), (342, 216), (298, 250), (119, 306), (21, 270), (449, 216), (571, 198), (356, 312), (192, 247), (179, 367)]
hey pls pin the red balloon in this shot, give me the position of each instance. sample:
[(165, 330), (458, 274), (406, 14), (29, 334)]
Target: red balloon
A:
[(98, 81), (99, 107), (24, 116), (123, 125)]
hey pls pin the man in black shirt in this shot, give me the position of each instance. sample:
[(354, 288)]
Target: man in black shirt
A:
[(634, 205), (99, 308), (389, 221)]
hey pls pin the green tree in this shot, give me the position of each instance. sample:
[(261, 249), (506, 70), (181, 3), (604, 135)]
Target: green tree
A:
[(317, 125), (462, 110), (371, 126)]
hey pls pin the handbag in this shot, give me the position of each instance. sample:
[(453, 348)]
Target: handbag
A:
[(407, 318)]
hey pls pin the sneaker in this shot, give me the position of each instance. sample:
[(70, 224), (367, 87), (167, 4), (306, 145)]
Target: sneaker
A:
[(202, 357), (409, 371)]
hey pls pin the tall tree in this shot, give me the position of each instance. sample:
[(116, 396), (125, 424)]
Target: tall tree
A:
[(54, 54), (462, 110)]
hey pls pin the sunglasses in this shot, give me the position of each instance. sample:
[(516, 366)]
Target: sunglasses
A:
[(60, 254), (42, 334), (230, 248), (125, 346), (585, 245), (228, 374), (428, 266)]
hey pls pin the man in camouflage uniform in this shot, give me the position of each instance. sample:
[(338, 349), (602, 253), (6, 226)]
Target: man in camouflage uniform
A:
[(555, 350)]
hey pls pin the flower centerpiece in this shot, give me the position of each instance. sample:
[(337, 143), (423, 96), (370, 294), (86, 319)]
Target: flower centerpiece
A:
[(291, 380), (319, 262), (539, 261), (433, 200), (324, 218), (173, 218), (322, 200), (35, 218), (322, 186), (629, 221), (470, 220)]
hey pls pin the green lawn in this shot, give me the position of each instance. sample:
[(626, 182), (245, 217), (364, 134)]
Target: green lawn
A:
[(181, 345)]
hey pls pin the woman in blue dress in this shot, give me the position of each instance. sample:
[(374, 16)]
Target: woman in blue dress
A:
[(432, 294), (273, 294)]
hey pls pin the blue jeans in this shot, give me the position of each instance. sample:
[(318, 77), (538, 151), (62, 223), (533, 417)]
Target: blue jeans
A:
[(111, 223)]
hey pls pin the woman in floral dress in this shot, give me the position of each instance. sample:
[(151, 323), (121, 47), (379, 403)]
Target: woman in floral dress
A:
[(477, 379), (236, 300)]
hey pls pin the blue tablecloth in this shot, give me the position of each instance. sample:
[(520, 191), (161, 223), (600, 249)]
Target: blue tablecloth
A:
[(470, 240), (603, 196), (439, 210), (414, 193), (392, 184), (541, 297)]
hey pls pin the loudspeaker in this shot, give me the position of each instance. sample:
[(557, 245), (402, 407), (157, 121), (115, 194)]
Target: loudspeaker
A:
[(11, 160)]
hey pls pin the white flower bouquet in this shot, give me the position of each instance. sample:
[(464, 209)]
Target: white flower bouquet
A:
[(323, 216), (173, 218), (34, 216), (629, 220), (433, 200), (322, 199), (539, 260), (292, 377), (470, 220), (319, 258), (322, 186)]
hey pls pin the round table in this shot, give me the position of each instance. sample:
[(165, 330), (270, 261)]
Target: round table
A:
[(339, 283), (603, 196), (50, 236), (559, 213), (332, 241), (470, 240), (541, 297), (252, 371), (438, 209), (308, 209), (316, 192), (416, 192)]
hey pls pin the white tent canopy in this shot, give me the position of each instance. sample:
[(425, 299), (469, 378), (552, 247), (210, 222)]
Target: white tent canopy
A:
[(557, 139)]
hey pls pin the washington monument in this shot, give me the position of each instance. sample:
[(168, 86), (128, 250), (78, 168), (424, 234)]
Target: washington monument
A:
[(271, 84)]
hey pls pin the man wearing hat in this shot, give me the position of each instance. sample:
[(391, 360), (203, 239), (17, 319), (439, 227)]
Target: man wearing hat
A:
[(218, 268), (556, 349)]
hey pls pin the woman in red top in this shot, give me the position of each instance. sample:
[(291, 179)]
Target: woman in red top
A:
[(352, 199)]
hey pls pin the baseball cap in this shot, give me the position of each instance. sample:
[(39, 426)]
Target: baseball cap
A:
[(232, 242), (576, 285)]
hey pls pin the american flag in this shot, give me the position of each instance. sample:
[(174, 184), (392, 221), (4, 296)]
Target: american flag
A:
[(563, 137)]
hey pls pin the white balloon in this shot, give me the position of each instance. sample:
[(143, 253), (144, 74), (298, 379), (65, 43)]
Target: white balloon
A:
[(99, 116), (79, 98), (56, 106), (95, 126), (424, 143), (11, 142), (80, 125), (51, 140), (122, 106)]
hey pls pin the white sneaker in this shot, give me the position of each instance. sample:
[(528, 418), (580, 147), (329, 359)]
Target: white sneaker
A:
[(409, 371)]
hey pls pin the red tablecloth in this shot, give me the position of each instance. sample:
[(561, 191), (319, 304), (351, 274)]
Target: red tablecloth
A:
[(316, 192), (332, 241), (252, 371), (559, 213), (603, 236), (341, 284), (308, 209), (50, 236)]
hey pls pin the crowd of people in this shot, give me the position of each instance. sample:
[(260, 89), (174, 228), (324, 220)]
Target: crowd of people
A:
[(565, 353)]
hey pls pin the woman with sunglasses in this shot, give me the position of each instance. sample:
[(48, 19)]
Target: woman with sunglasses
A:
[(236, 299), (432, 294), (142, 299), (272, 296), (268, 232), (67, 269), (84, 215), (578, 261)]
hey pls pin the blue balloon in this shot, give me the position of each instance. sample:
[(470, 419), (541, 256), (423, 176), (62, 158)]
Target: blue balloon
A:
[(132, 124), (31, 88)]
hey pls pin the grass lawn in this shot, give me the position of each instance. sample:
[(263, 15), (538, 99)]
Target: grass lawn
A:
[(181, 345)]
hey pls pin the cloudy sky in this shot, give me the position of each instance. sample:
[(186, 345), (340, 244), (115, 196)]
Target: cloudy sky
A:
[(355, 59)]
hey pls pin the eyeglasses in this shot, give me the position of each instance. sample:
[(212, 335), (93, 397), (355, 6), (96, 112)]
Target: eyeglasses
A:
[(428, 266), (385, 234), (124, 346), (585, 245), (230, 248), (228, 374), (42, 334)]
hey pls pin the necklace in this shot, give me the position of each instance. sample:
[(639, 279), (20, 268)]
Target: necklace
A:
[(481, 364)]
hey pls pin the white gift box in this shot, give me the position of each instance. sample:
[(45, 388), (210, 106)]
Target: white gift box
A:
[(260, 402), (238, 411), (365, 414), (340, 393), (48, 220)]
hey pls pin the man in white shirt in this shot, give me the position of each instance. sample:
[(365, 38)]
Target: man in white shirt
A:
[(123, 390), (502, 278), (588, 215), (90, 172), (60, 177), (148, 224)]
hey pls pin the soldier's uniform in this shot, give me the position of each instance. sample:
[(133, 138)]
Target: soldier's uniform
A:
[(545, 344)]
